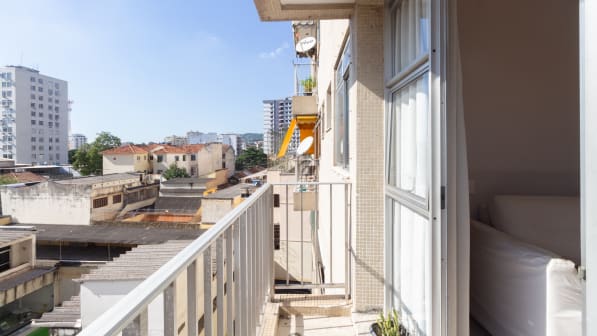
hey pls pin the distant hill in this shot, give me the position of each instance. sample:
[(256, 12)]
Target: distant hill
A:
[(252, 137)]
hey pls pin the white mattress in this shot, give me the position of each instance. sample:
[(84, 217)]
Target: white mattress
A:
[(520, 289)]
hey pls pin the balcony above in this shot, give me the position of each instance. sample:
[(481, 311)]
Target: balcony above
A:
[(286, 10), (304, 106)]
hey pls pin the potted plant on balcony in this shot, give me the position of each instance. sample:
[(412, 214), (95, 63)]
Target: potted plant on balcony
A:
[(389, 325), (308, 85)]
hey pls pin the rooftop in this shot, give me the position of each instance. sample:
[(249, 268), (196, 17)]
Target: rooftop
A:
[(66, 316), (90, 180), (126, 149), (232, 192), (139, 263), (114, 234), (9, 236)]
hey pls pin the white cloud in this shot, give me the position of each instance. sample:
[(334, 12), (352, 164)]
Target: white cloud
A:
[(275, 53)]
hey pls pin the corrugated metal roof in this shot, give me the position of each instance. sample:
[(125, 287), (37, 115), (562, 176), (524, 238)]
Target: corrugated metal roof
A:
[(113, 234), (66, 316), (7, 236), (137, 264)]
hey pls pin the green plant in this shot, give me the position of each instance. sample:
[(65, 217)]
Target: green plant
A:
[(308, 84), (390, 324)]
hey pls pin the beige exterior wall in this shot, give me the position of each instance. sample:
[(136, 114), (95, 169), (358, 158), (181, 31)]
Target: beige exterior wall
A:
[(209, 159), (366, 152), (47, 198), (125, 163)]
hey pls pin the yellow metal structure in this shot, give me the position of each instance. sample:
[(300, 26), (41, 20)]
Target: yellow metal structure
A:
[(306, 124)]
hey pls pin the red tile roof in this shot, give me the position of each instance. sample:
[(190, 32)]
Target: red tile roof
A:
[(126, 149), (188, 149)]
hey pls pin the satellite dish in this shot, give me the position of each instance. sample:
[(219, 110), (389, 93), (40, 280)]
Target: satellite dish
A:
[(306, 44), (304, 146)]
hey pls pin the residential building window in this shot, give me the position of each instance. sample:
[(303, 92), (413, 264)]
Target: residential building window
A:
[(40, 122), (40, 114), (41, 139), (49, 147), (184, 158), (40, 89), (56, 86), (33, 105), (50, 140), (33, 87), (5, 259), (50, 116), (33, 113), (276, 236), (50, 92), (33, 147), (40, 98), (40, 81), (40, 106), (160, 158), (176, 158), (33, 139), (56, 101), (57, 140), (32, 122), (33, 79), (56, 109), (116, 199), (50, 125), (57, 125), (193, 157), (100, 202), (138, 157), (341, 111), (50, 107), (57, 154)]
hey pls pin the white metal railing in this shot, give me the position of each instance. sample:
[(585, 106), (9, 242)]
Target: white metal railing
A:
[(312, 221), (243, 244)]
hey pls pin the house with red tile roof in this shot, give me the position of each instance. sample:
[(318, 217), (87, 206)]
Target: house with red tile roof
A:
[(196, 159), (126, 159)]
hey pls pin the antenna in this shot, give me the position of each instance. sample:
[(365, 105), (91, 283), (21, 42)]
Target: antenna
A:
[(304, 146)]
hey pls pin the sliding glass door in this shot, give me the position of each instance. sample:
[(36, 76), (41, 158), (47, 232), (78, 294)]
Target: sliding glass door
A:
[(411, 190)]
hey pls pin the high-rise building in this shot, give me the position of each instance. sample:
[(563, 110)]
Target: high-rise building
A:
[(277, 115), (76, 141), (34, 116)]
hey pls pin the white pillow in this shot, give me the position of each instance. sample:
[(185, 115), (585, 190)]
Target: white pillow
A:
[(550, 222)]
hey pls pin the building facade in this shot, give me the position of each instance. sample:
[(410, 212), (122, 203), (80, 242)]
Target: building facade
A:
[(194, 137), (77, 141), (277, 115), (34, 118), (176, 140)]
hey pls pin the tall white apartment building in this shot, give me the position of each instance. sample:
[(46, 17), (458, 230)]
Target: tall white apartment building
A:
[(77, 141), (34, 116), (277, 115)]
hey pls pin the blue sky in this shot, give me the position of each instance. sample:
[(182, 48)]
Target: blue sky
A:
[(143, 70)]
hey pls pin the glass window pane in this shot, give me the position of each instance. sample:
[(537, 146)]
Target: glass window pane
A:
[(410, 32), (409, 138), (412, 265)]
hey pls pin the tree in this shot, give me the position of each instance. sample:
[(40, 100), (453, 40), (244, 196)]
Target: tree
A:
[(71, 155), (88, 159), (251, 157), (174, 171)]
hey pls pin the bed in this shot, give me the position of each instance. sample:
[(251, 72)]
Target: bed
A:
[(523, 275)]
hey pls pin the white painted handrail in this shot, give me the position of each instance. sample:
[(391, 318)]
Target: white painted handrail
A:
[(256, 211)]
